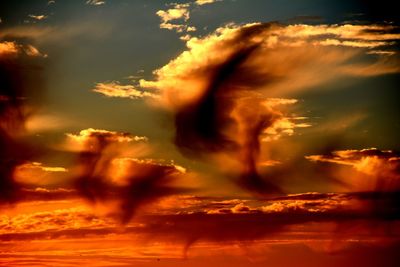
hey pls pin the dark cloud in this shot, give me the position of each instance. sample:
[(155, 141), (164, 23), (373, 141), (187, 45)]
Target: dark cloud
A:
[(218, 89), (203, 125), (21, 85), (141, 182)]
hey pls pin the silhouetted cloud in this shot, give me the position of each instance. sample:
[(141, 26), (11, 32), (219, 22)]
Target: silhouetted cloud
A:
[(104, 174), (217, 88), (21, 83)]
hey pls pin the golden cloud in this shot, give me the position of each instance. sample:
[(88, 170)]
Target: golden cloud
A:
[(381, 166), (308, 45), (204, 2), (114, 89), (38, 17), (36, 173), (13, 49), (88, 138), (177, 12)]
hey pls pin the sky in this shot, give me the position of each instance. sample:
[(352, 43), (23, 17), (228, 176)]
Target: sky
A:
[(203, 132)]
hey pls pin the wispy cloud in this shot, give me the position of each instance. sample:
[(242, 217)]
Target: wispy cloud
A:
[(115, 89), (12, 48), (170, 16), (38, 17), (381, 167), (228, 75), (204, 2), (95, 2), (107, 173)]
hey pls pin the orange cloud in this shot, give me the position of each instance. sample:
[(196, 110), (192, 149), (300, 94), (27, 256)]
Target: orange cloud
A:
[(106, 174), (36, 173), (190, 67), (8, 48), (20, 81), (89, 138), (205, 2), (381, 166), (218, 88), (12, 48)]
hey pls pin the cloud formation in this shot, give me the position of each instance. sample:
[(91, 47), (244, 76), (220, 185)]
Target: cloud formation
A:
[(104, 174), (21, 86), (204, 2), (14, 49), (382, 166), (35, 173), (38, 17), (95, 2), (114, 89), (218, 88), (170, 16)]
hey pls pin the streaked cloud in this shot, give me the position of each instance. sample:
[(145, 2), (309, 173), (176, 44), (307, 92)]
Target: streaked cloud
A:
[(381, 166), (36, 173), (115, 89), (21, 81), (61, 33), (86, 136), (38, 17), (204, 2), (107, 173), (95, 2), (231, 71), (216, 221)]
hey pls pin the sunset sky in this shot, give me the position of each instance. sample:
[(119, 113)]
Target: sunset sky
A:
[(199, 133)]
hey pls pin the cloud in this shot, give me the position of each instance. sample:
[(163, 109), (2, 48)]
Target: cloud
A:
[(105, 174), (204, 2), (44, 194), (14, 49), (179, 11), (36, 173), (114, 89), (219, 87), (21, 86), (95, 2), (41, 34), (61, 219), (38, 17), (90, 137), (170, 16), (207, 219), (382, 166)]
